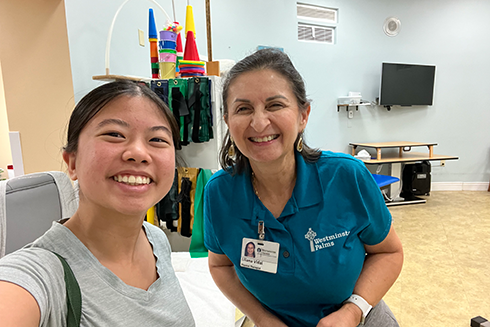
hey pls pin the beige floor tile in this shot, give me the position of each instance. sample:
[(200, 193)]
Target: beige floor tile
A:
[(445, 279)]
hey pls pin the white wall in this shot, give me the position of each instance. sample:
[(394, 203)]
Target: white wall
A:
[(451, 34)]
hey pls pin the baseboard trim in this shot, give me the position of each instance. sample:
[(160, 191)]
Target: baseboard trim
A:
[(459, 186)]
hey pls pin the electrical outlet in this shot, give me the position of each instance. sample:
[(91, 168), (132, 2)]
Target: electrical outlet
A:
[(141, 37), (351, 114), (443, 163)]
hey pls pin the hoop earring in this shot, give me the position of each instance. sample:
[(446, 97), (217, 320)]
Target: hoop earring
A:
[(231, 149), (299, 145)]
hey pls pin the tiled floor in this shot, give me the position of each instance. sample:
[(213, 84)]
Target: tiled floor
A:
[(445, 279)]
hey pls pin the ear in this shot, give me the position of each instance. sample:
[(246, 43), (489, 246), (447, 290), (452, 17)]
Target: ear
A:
[(304, 117), (70, 160), (225, 118)]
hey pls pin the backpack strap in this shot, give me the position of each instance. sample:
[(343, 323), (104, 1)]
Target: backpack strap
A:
[(73, 295)]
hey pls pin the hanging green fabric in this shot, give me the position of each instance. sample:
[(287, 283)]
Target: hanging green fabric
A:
[(177, 100), (199, 104), (197, 248), (206, 130)]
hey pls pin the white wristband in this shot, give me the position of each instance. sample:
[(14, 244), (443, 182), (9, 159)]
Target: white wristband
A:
[(362, 304)]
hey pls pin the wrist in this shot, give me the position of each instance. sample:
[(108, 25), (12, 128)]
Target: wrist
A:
[(353, 310), (363, 306)]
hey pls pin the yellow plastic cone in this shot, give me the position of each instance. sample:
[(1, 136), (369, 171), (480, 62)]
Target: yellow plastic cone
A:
[(189, 21)]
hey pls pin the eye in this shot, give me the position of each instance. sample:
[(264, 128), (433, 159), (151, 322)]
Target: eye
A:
[(242, 109), (160, 140), (157, 139), (114, 134), (276, 105)]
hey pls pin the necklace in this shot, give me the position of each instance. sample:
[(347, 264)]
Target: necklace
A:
[(254, 185)]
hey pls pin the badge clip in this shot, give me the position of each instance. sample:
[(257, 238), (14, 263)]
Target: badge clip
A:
[(261, 230)]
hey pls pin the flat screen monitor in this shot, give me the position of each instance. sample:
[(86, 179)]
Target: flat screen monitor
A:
[(407, 85)]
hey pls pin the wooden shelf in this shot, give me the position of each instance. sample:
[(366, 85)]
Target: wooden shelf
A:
[(392, 144), (409, 157), (400, 145), (111, 78)]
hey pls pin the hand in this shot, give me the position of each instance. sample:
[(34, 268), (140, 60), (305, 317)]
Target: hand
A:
[(349, 315)]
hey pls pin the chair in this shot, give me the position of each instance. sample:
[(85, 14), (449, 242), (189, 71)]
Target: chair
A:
[(384, 180), (29, 204)]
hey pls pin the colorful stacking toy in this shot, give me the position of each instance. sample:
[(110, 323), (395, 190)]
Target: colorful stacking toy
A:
[(168, 52), (153, 37)]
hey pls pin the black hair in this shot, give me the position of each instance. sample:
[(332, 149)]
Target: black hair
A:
[(279, 62), (99, 97)]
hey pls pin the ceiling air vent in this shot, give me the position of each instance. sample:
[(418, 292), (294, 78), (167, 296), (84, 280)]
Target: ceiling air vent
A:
[(317, 13), (315, 33)]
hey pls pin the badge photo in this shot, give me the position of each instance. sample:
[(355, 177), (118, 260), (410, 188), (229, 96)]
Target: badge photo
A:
[(259, 255)]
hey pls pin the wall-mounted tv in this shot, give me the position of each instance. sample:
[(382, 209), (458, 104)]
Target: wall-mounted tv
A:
[(406, 85)]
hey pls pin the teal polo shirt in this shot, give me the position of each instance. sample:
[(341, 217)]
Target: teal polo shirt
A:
[(336, 207)]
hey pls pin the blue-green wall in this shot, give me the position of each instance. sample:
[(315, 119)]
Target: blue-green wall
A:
[(451, 34)]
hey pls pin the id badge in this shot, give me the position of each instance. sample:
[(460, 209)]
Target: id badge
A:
[(259, 255)]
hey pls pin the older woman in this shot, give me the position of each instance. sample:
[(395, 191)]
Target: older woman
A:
[(326, 249), (121, 149)]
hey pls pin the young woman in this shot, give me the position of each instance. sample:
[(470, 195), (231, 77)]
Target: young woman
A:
[(325, 250), (121, 150)]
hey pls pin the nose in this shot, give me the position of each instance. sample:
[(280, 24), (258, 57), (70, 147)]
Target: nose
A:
[(137, 152), (260, 120)]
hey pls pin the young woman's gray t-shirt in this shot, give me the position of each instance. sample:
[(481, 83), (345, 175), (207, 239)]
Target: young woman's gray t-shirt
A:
[(106, 300)]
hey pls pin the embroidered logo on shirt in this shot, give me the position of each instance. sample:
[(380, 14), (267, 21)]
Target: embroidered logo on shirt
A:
[(324, 242)]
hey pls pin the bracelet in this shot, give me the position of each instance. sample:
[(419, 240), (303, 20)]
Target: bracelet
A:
[(362, 304)]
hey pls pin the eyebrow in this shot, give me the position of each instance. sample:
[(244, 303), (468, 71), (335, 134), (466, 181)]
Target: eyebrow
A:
[(161, 128), (112, 121), (122, 123), (268, 99)]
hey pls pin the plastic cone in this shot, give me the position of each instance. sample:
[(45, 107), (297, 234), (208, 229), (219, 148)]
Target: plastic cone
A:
[(189, 22), (190, 52), (152, 30), (179, 47)]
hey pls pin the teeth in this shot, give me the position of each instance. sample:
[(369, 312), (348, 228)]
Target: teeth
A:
[(132, 180), (263, 139)]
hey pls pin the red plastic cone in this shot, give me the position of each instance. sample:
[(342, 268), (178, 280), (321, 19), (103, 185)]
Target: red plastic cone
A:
[(190, 52), (179, 47)]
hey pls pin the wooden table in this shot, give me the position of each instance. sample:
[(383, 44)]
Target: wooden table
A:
[(402, 156)]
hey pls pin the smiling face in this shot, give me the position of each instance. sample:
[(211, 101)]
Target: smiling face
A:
[(125, 159), (263, 116), (250, 250)]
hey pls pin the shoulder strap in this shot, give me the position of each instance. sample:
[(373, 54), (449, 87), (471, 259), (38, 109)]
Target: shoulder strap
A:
[(73, 295)]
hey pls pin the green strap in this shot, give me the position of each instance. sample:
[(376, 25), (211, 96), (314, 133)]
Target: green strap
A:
[(73, 295)]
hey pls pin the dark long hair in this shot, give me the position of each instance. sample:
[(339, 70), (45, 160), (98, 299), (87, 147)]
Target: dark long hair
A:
[(99, 97), (246, 248), (279, 62)]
